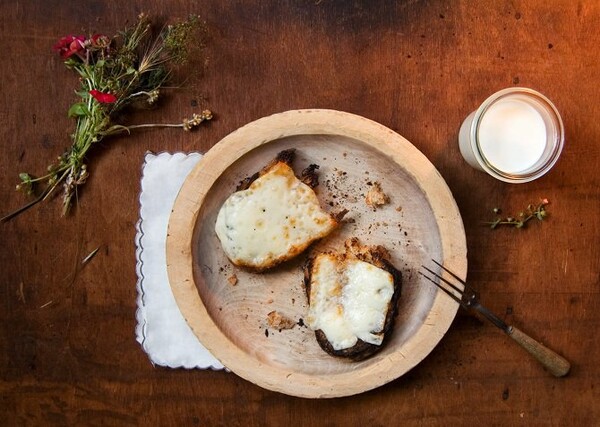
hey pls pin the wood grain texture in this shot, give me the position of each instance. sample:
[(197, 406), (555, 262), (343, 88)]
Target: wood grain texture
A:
[(416, 67)]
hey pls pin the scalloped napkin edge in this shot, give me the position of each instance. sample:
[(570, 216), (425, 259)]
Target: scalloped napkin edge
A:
[(161, 329)]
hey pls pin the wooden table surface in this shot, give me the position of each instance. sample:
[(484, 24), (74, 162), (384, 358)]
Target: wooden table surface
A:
[(68, 350)]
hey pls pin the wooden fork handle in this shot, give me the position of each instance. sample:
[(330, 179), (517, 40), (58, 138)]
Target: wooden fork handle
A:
[(555, 363)]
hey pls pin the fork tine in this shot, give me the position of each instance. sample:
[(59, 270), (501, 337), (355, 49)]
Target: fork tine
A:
[(449, 272), (450, 294), (455, 276), (452, 285), (468, 298)]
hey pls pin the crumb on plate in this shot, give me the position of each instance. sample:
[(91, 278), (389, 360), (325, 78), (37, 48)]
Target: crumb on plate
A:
[(376, 197), (278, 321)]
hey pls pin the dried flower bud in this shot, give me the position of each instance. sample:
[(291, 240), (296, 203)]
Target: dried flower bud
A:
[(541, 214), (99, 41), (189, 124), (153, 96)]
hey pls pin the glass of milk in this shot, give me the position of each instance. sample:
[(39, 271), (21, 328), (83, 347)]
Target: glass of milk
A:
[(516, 135)]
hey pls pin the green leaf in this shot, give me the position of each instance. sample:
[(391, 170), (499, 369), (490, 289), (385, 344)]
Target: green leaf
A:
[(78, 110), (81, 71), (84, 94), (100, 63), (71, 62), (26, 185)]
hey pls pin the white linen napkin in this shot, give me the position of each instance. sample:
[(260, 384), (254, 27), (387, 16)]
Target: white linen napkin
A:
[(161, 328)]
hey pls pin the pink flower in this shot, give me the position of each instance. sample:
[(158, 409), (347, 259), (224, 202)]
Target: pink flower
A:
[(69, 45), (103, 98)]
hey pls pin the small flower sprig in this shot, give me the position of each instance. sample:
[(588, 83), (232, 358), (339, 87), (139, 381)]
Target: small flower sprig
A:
[(114, 73), (538, 212)]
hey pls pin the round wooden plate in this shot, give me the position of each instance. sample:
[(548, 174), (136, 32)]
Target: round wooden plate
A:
[(420, 223)]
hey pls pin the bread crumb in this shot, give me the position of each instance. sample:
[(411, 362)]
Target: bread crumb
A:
[(233, 280), (278, 321), (376, 197)]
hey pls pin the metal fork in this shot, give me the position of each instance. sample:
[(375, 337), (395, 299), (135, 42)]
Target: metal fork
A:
[(469, 300)]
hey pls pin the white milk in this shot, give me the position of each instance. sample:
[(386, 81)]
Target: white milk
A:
[(512, 135)]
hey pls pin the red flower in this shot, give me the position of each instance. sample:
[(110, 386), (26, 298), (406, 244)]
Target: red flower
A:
[(69, 45), (103, 98)]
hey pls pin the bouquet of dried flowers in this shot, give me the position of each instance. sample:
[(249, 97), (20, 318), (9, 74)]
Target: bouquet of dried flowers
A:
[(115, 73)]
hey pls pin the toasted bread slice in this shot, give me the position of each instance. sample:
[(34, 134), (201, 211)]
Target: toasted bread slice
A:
[(352, 299), (273, 216)]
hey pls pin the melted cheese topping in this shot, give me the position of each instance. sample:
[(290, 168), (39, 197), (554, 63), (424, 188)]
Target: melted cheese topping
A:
[(349, 300), (276, 218)]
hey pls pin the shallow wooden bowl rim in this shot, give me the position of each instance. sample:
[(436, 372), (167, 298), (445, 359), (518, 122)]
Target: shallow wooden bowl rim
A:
[(192, 195)]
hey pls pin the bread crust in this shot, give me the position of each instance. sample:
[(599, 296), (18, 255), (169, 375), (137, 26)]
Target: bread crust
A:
[(285, 156), (375, 255)]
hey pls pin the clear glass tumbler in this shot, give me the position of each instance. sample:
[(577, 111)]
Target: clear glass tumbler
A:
[(516, 135)]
